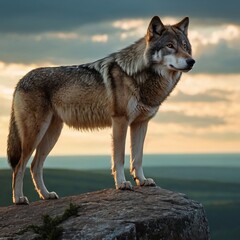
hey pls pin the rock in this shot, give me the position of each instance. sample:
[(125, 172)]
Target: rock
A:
[(144, 213)]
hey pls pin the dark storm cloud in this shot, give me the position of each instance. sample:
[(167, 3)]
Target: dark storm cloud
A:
[(219, 58), (24, 24), (30, 16), (189, 120), (29, 49)]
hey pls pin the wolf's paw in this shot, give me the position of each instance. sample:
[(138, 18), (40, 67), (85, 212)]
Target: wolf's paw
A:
[(22, 201), (52, 195), (149, 182), (125, 186)]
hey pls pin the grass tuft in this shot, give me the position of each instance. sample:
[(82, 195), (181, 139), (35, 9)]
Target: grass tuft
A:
[(50, 230)]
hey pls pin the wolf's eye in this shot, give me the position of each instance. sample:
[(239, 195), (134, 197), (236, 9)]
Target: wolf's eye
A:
[(184, 45), (170, 45)]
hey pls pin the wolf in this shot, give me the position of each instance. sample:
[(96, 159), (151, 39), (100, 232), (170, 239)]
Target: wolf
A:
[(124, 89)]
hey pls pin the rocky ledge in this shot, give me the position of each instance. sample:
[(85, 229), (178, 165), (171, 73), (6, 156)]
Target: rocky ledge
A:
[(144, 213)]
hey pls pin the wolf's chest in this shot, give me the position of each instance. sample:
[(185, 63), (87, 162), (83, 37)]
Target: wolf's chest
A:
[(157, 87), (137, 111)]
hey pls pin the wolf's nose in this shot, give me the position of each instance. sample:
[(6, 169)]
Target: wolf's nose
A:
[(190, 62)]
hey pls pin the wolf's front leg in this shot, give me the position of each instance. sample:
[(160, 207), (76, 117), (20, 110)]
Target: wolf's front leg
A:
[(138, 133), (119, 125)]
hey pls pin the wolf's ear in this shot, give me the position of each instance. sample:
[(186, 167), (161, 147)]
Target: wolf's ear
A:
[(183, 25), (155, 27)]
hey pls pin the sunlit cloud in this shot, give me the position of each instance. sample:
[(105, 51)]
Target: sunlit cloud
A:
[(14, 70), (211, 95), (207, 37), (5, 106), (136, 28), (100, 38), (63, 35), (195, 83), (227, 33), (204, 114), (5, 93), (191, 120), (85, 43), (10, 74), (203, 111), (131, 28), (128, 24)]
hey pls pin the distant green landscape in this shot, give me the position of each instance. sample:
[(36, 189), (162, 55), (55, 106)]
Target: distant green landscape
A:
[(221, 199)]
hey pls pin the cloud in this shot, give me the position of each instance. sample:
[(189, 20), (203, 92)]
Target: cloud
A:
[(60, 48), (216, 48), (5, 107), (182, 118), (222, 136), (228, 135), (219, 59), (128, 24), (211, 95), (212, 35), (100, 38), (59, 35), (78, 32), (200, 83), (9, 76), (204, 116), (83, 45), (13, 70), (58, 15), (6, 94)]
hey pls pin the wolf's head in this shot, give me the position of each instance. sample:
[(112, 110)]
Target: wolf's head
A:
[(168, 46)]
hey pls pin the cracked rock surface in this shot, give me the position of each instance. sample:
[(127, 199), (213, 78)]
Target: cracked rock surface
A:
[(144, 213)]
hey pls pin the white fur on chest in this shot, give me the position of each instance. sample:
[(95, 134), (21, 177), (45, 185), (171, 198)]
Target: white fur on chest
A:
[(171, 80)]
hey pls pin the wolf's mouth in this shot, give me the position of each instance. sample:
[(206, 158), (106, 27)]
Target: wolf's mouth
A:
[(180, 69)]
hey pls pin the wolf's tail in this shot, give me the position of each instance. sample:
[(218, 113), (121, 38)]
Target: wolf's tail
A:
[(14, 148)]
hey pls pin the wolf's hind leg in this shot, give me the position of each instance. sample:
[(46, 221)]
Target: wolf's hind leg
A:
[(45, 146), (138, 133), (120, 125), (17, 178), (31, 135)]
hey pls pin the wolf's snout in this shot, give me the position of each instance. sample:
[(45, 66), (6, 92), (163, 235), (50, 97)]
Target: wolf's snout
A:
[(190, 62)]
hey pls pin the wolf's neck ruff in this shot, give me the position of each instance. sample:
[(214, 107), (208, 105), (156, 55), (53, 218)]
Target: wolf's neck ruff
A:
[(132, 59)]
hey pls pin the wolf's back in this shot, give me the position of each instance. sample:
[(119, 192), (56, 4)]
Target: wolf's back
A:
[(13, 144)]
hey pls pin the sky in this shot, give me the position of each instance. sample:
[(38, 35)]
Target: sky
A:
[(202, 115)]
